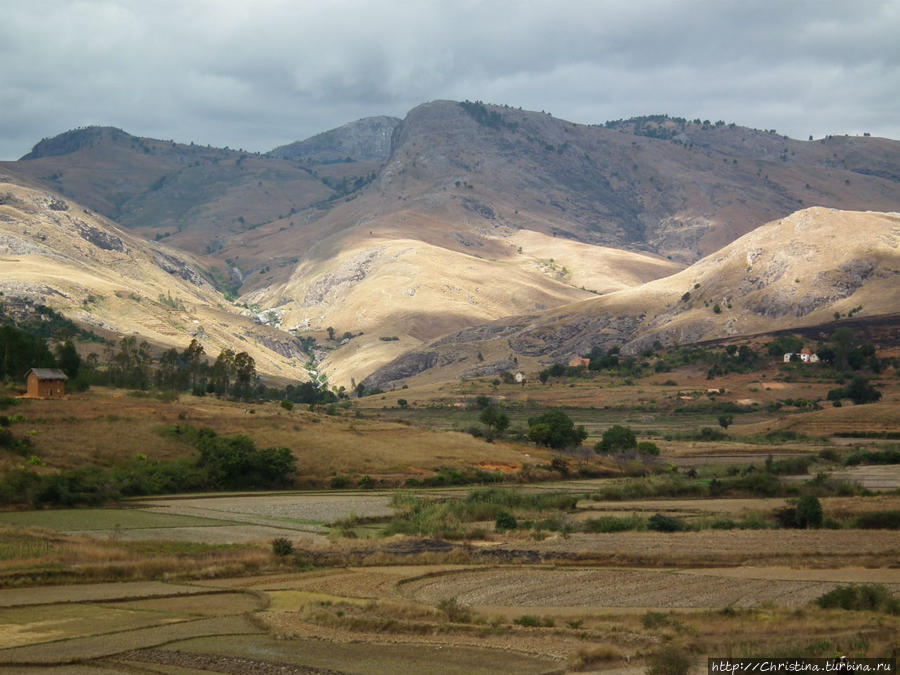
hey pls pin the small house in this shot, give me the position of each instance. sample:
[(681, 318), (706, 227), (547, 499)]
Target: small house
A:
[(805, 354), (788, 356), (520, 378), (45, 383), (579, 362)]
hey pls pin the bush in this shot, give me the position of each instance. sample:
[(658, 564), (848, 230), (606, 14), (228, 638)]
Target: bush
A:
[(889, 455), (668, 661), (805, 514), (287, 405), (505, 521), (655, 620), (660, 523), (648, 448), (617, 439), (809, 512), (455, 612), (613, 524), (282, 546), (871, 597), (338, 482), (233, 462), (879, 520), (533, 621)]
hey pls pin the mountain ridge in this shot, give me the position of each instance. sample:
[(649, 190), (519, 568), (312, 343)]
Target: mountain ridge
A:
[(476, 213)]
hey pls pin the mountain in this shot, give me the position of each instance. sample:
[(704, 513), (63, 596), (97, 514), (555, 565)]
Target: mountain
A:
[(58, 253), (472, 213), (793, 272), (365, 139)]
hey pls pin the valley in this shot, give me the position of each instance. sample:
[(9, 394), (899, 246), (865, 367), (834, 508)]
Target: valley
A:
[(475, 390)]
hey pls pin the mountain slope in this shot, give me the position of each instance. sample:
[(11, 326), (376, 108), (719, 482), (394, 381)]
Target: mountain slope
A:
[(797, 271), (55, 252), (473, 214), (365, 139)]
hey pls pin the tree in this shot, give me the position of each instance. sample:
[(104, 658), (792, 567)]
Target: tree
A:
[(222, 372), (167, 370), (617, 439), (68, 359), (555, 429), (725, 421), (860, 391), (494, 419), (130, 366), (809, 512), (784, 344), (244, 375), (192, 357), (843, 340)]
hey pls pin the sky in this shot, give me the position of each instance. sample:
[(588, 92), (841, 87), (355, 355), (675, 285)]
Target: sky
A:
[(262, 73)]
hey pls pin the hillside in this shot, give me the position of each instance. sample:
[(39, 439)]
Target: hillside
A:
[(797, 271), (396, 233), (55, 252)]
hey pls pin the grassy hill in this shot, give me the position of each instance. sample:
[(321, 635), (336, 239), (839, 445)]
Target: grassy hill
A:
[(798, 271)]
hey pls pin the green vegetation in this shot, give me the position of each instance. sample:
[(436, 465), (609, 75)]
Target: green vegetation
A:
[(617, 439), (556, 430), (864, 597), (887, 455), (223, 463), (859, 391), (488, 118), (449, 517)]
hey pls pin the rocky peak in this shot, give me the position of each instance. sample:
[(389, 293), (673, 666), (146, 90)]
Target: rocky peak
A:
[(365, 139)]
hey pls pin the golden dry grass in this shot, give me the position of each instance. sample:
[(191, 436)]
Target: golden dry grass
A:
[(104, 426)]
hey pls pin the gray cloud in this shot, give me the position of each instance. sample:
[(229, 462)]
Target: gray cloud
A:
[(256, 75)]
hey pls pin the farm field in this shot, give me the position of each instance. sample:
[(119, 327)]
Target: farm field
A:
[(507, 602), (409, 540)]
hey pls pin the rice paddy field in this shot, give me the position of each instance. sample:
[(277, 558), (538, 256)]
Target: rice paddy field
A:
[(374, 573)]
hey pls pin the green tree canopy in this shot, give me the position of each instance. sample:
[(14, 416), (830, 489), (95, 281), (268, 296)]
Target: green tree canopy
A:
[(556, 430), (617, 439)]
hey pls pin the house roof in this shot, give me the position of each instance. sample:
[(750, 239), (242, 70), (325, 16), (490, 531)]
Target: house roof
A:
[(48, 374)]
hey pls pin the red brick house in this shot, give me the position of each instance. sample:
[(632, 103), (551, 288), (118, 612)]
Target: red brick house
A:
[(45, 383)]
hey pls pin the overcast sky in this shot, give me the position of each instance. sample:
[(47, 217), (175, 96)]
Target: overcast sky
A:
[(256, 74)]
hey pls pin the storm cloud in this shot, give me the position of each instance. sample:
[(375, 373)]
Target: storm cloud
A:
[(262, 74)]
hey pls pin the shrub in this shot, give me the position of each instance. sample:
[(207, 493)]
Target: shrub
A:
[(660, 523), (830, 455), (287, 405), (533, 621), (648, 448), (455, 612), (282, 546), (889, 455), (613, 524), (654, 620), (809, 512), (505, 521), (586, 659), (668, 661), (806, 513), (710, 434), (871, 597), (338, 482), (879, 520)]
